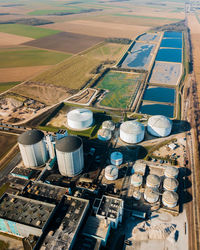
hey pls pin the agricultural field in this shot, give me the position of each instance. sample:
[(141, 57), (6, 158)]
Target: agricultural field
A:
[(120, 88), (12, 40), (21, 57), (4, 86), (66, 42), (6, 143)]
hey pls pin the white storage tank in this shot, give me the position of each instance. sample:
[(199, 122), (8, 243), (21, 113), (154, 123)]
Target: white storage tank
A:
[(170, 199), (159, 126), (137, 195), (170, 184), (108, 125), (136, 180), (116, 158), (151, 195), (69, 151), (33, 148), (80, 119), (171, 172), (111, 172), (153, 181), (104, 134), (132, 132)]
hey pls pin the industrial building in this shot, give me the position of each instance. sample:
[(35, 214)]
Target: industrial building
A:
[(104, 134), (21, 216), (69, 151), (63, 230), (79, 119), (25, 173), (111, 172), (111, 209), (108, 125), (116, 158), (132, 132), (33, 148), (159, 126)]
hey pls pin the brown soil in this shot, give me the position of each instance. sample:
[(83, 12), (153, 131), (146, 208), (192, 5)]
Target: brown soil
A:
[(12, 40), (6, 143)]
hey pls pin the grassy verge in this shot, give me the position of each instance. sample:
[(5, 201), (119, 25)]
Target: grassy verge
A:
[(7, 85)]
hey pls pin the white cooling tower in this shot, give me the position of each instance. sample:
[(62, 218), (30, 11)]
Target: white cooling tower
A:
[(69, 151), (159, 126), (132, 132), (33, 148), (80, 119)]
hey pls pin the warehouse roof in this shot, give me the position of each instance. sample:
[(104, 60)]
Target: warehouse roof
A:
[(31, 137), (69, 144)]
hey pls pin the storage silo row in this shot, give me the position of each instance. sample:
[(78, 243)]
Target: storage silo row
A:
[(159, 126), (33, 148), (132, 132), (80, 119)]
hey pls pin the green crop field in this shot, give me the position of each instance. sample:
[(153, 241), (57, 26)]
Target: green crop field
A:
[(26, 30), (121, 87), (7, 85), (30, 57)]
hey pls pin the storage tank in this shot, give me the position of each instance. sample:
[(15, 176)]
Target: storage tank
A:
[(104, 134), (153, 181), (33, 148), (69, 151), (136, 180), (116, 158), (108, 125), (137, 195), (132, 132), (80, 119), (170, 199), (171, 172), (151, 195), (170, 184), (111, 172), (159, 125)]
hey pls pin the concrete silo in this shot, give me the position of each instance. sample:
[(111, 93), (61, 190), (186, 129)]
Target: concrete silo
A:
[(69, 151), (170, 199), (33, 148), (80, 119), (159, 126), (111, 172), (116, 158), (132, 132)]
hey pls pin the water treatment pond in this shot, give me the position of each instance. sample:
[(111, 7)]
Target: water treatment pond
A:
[(169, 55), (172, 34), (172, 43), (159, 94), (157, 109)]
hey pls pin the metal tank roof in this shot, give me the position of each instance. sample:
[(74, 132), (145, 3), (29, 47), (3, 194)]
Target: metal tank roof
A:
[(31, 137), (136, 178), (111, 170), (153, 179), (69, 144), (132, 127), (170, 197), (137, 194), (151, 193), (160, 121), (80, 115), (170, 183), (108, 125), (171, 171), (104, 134), (116, 155)]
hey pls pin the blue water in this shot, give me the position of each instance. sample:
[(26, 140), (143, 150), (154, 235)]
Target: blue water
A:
[(157, 109), (169, 55), (171, 42), (172, 34), (159, 94)]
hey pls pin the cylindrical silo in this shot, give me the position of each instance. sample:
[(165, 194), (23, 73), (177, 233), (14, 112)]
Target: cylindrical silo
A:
[(136, 180), (137, 195), (33, 148), (171, 172), (116, 158), (80, 119), (159, 126), (170, 184), (153, 181), (111, 172), (132, 132), (69, 151), (170, 199), (108, 125), (151, 195), (104, 134)]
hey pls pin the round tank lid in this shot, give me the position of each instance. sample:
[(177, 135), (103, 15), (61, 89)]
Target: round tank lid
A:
[(170, 183), (160, 121), (151, 192), (136, 178), (116, 155), (111, 170), (31, 137), (108, 124), (69, 144), (80, 115), (170, 170), (153, 179), (132, 127), (170, 196)]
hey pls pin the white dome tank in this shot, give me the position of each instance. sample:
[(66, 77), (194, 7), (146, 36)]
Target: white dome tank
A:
[(132, 132), (116, 158), (104, 134), (151, 195), (170, 199), (159, 126), (153, 181), (69, 151), (170, 184), (108, 125), (136, 180), (33, 148), (171, 172), (80, 119), (137, 195), (111, 172)]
